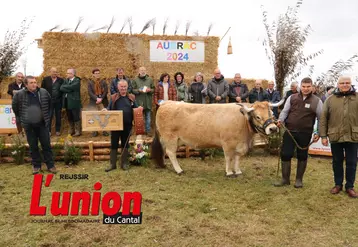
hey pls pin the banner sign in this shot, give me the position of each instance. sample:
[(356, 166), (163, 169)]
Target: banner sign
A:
[(318, 149), (177, 51), (7, 117)]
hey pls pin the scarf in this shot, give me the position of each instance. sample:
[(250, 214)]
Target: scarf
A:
[(97, 87)]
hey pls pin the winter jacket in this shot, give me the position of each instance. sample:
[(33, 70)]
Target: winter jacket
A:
[(21, 103), (234, 88), (218, 87), (72, 93), (339, 118), (142, 98)]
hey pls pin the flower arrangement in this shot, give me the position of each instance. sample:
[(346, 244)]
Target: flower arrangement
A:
[(72, 153), (18, 149), (139, 154)]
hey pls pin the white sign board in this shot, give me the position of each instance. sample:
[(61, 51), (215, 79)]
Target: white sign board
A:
[(180, 51), (318, 149), (7, 117)]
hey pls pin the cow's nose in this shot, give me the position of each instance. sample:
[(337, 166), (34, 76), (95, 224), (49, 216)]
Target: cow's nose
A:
[(273, 129)]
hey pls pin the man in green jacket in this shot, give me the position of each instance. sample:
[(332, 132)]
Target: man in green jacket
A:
[(339, 122), (143, 88), (71, 89)]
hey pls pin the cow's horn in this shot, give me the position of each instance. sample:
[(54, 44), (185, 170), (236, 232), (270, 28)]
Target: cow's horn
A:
[(277, 104), (247, 109)]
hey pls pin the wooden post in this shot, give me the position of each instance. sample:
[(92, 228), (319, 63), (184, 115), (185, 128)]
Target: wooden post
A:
[(187, 153), (90, 147)]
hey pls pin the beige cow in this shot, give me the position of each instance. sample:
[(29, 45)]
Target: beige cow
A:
[(230, 126)]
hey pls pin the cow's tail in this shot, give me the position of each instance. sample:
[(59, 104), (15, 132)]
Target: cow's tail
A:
[(157, 150)]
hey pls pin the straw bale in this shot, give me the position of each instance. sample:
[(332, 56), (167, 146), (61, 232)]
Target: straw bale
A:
[(110, 51)]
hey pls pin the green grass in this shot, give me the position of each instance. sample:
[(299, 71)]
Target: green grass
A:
[(200, 208)]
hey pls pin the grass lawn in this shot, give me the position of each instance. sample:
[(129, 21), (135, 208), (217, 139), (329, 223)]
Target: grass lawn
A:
[(200, 208)]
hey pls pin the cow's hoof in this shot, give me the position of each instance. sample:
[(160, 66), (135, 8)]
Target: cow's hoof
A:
[(180, 173), (230, 175)]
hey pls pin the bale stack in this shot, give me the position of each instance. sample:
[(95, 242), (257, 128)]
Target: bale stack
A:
[(109, 51)]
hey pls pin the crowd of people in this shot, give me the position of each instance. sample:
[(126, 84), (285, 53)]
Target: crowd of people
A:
[(336, 110)]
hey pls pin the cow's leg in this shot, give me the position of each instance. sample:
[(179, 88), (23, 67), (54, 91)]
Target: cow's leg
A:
[(171, 150), (228, 159), (237, 170), (241, 150)]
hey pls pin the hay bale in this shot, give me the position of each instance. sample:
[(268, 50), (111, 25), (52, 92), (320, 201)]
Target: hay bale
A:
[(110, 51)]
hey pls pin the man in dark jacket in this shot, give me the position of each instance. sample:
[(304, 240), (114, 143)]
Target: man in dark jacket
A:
[(98, 95), (114, 84), (299, 115), (121, 102), (53, 84), (258, 93), (71, 89), (274, 96), (238, 91), (32, 110), (218, 88), (17, 85)]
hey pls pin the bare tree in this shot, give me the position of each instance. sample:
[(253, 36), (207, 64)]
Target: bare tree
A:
[(88, 28), (78, 23), (124, 25), (187, 27), (338, 68), (209, 29), (54, 28), (284, 45), (154, 23), (12, 49), (130, 24), (111, 24), (100, 28), (177, 27), (165, 25), (64, 30), (146, 26)]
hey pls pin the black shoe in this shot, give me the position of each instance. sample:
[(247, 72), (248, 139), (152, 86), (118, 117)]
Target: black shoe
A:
[(36, 170), (52, 170)]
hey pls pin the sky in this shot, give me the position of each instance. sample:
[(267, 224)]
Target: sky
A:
[(333, 23)]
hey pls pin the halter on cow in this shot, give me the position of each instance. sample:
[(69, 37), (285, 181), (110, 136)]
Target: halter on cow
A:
[(230, 126)]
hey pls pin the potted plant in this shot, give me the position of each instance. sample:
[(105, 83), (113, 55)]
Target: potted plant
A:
[(72, 153), (139, 154), (19, 149)]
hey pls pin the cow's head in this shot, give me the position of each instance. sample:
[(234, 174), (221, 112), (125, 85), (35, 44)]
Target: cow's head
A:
[(260, 116)]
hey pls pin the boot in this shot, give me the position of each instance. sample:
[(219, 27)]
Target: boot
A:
[(77, 128), (301, 168), (286, 172), (113, 160), (202, 154), (124, 159), (71, 130)]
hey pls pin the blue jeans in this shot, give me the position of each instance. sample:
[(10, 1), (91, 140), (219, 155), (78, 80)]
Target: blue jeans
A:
[(34, 134), (147, 117), (56, 110), (338, 151)]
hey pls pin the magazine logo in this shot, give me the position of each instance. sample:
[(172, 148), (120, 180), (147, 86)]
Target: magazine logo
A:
[(68, 203)]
